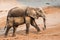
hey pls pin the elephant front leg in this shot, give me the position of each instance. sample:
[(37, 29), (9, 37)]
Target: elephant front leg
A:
[(33, 23), (14, 30), (27, 19), (7, 30), (27, 28)]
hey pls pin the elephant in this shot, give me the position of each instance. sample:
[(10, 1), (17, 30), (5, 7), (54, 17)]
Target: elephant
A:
[(17, 16)]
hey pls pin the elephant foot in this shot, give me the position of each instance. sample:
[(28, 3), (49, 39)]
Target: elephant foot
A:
[(38, 30), (5, 35), (44, 28), (27, 32)]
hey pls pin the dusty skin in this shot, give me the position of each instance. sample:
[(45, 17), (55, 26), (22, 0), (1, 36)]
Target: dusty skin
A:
[(51, 33)]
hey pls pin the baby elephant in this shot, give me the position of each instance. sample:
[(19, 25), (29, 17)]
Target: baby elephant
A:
[(17, 16)]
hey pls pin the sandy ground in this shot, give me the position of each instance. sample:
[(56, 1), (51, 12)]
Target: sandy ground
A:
[(52, 31), (48, 34)]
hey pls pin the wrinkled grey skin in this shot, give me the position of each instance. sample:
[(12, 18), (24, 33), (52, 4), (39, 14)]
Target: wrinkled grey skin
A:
[(17, 16)]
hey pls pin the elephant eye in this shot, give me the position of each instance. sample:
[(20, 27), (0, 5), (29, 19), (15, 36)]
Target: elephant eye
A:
[(40, 11)]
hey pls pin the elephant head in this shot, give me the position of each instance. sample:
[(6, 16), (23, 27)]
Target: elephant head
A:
[(31, 12), (41, 13)]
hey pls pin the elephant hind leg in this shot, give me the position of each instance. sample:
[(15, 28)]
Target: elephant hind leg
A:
[(7, 30), (33, 23), (14, 30)]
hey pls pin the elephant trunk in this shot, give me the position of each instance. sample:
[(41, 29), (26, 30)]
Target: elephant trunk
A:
[(44, 20)]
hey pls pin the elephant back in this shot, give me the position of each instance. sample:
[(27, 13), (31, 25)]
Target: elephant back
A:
[(16, 12)]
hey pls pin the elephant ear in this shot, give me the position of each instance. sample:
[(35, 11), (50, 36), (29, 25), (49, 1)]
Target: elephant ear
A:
[(31, 12), (40, 12)]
